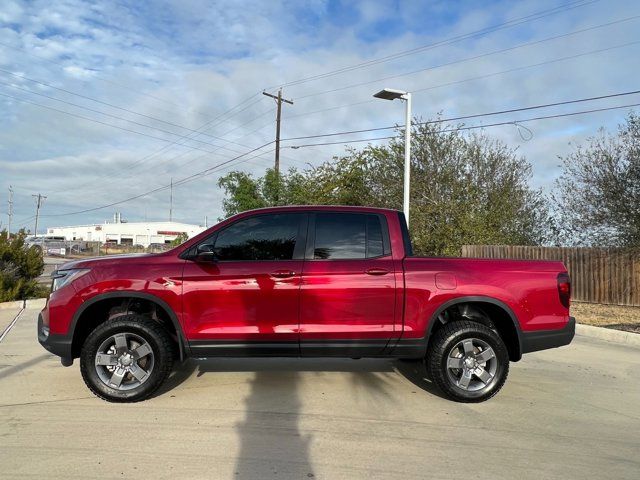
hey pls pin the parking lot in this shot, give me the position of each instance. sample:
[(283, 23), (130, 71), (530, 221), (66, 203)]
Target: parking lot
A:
[(564, 413)]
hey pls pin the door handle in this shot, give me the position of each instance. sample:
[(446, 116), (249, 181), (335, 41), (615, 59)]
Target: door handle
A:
[(377, 271), (283, 274)]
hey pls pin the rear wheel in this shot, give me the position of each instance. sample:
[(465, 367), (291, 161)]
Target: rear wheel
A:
[(468, 361), (126, 359)]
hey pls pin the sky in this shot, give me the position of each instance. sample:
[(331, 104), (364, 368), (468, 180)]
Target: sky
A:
[(103, 101)]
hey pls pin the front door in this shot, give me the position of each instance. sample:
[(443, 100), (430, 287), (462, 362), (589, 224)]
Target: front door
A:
[(348, 295), (247, 301)]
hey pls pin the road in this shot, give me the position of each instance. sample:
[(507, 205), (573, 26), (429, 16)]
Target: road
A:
[(565, 413), (50, 264)]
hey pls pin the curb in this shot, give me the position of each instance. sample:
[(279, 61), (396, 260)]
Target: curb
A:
[(8, 305), (31, 303), (609, 334), (35, 303)]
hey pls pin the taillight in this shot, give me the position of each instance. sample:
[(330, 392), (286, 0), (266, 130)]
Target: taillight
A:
[(564, 289)]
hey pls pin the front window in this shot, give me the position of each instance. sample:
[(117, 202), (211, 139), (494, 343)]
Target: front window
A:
[(264, 237)]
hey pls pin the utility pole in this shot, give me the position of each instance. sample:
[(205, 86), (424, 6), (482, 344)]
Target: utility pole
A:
[(279, 101), (171, 202), (10, 211), (39, 200)]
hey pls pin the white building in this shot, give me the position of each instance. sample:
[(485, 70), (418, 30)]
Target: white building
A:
[(126, 233)]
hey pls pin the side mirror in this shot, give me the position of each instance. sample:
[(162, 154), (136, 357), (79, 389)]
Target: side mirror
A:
[(205, 257)]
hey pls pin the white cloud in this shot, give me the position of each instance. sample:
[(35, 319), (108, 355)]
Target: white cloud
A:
[(188, 62), (11, 12)]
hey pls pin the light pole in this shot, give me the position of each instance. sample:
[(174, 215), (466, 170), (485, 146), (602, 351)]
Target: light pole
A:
[(391, 94)]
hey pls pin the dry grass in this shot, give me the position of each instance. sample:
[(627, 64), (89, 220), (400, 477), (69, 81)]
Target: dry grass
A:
[(609, 316)]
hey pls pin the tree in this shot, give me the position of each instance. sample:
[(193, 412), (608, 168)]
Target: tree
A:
[(598, 193), (466, 189), (19, 267), (180, 239), (242, 193)]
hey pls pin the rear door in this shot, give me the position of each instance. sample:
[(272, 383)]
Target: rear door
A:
[(348, 292)]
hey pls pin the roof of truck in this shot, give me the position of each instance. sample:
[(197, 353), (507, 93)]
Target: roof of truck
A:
[(346, 208)]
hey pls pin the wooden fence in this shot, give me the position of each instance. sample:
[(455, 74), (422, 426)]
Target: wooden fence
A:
[(604, 276)]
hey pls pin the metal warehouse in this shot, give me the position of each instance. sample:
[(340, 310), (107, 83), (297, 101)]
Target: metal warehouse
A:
[(127, 233)]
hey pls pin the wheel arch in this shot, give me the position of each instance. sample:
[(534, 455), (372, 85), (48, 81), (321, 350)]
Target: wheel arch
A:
[(124, 294), (513, 327)]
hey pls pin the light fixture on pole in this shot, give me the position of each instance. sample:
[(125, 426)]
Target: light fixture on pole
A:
[(391, 94)]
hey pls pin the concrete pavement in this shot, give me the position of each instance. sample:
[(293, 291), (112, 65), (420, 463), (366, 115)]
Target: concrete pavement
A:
[(564, 413), (8, 312)]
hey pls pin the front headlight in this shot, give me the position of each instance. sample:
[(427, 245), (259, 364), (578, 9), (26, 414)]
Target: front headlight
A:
[(65, 277)]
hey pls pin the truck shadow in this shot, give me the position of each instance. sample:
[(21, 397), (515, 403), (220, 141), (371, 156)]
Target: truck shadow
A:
[(273, 440), (10, 370), (364, 371)]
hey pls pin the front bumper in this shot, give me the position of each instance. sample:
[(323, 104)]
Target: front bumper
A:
[(542, 340), (57, 344)]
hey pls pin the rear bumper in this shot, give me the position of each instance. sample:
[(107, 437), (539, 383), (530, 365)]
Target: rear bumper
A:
[(542, 340), (57, 344)]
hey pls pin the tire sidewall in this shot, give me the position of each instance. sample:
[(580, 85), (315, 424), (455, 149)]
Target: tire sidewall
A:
[(90, 349), (441, 371)]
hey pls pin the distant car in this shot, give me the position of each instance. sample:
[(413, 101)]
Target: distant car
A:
[(309, 282), (159, 247), (54, 245)]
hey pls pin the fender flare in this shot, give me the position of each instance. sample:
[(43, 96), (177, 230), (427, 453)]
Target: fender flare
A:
[(182, 344), (482, 299)]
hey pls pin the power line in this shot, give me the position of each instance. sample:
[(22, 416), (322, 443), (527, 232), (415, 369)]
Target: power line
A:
[(85, 118), (473, 127), (124, 119), (107, 124), (226, 133), (92, 99), (187, 137), (24, 221), (180, 182), (475, 57), (448, 41), (246, 135), (480, 77), (126, 87), (148, 157), (215, 167), (119, 127), (476, 115), (524, 67)]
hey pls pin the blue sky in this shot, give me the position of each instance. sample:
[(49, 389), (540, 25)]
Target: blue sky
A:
[(76, 78)]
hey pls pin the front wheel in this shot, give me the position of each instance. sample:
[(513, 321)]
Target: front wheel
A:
[(468, 361), (126, 359)]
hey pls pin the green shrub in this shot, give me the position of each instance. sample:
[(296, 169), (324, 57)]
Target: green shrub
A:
[(19, 268), (180, 239)]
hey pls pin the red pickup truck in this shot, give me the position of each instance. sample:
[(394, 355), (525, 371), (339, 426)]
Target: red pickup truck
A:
[(303, 282)]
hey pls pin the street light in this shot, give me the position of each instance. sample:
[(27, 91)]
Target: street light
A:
[(391, 94)]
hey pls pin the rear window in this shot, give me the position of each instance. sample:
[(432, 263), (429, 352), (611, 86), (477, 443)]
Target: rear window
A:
[(348, 236)]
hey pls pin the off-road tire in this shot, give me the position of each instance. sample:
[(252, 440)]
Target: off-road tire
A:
[(442, 345), (162, 346)]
